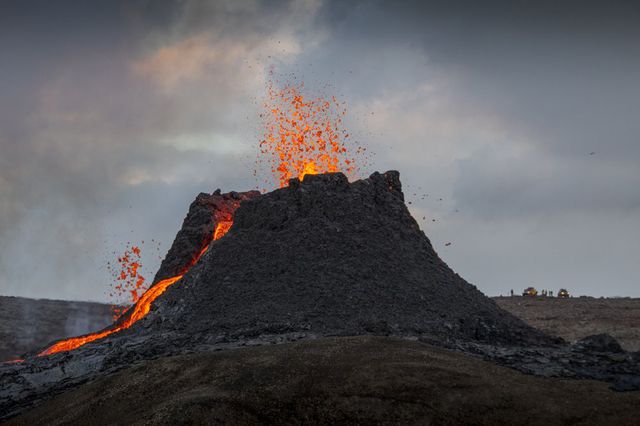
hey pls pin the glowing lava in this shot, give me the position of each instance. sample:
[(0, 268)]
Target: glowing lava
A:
[(309, 169), (140, 310), (222, 228), (304, 135), (129, 282)]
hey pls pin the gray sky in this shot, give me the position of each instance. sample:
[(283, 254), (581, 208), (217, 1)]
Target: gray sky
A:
[(114, 116)]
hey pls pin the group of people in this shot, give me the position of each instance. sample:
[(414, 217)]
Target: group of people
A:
[(545, 293)]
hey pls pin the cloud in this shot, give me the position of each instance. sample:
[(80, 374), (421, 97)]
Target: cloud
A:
[(207, 56), (104, 131), (499, 185), (114, 140), (170, 65)]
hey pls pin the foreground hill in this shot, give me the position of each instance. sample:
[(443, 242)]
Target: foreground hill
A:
[(334, 380), (28, 324), (575, 318)]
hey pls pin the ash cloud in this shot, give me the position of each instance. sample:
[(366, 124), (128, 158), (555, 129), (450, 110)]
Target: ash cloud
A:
[(113, 119)]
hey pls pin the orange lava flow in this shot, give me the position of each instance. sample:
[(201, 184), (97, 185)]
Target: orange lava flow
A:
[(304, 135), (140, 309), (222, 228)]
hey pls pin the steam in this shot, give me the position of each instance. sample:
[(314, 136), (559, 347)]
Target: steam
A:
[(82, 320)]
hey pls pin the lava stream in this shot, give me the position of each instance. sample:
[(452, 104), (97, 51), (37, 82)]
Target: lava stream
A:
[(141, 308)]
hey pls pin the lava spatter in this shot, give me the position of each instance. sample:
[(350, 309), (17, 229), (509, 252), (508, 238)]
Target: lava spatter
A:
[(129, 283), (139, 310)]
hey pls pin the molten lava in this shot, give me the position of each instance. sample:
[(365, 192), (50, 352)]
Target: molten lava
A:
[(309, 169), (222, 228), (140, 309), (128, 280), (304, 135)]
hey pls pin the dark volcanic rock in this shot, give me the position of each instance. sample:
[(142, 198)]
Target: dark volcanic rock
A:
[(197, 229), (348, 380), (599, 343), (332, 258)]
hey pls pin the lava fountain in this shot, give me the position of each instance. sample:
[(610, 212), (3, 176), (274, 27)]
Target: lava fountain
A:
[(305, 135)]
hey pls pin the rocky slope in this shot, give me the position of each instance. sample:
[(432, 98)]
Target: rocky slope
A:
[(578, 317), (361, 380), (198, 227)]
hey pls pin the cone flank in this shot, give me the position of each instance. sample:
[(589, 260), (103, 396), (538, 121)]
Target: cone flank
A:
[(329, 257)]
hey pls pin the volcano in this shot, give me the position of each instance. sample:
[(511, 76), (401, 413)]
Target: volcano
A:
[(320, 257), (323, 256)]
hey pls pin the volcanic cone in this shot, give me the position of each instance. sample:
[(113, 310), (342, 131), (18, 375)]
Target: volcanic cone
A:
[(328, 257)]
